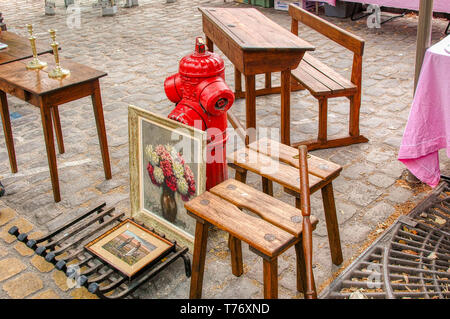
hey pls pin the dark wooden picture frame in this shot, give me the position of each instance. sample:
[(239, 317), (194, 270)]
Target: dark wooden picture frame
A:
[(145, 248)]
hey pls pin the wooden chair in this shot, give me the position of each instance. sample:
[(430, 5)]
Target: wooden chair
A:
[(265, 153), (325, 83), (279, 227)]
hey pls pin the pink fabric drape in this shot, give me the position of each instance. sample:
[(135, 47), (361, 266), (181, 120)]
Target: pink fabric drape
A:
[(428, 127)]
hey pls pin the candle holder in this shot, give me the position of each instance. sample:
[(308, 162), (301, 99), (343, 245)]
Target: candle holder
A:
[(58, 72), (35, 63)]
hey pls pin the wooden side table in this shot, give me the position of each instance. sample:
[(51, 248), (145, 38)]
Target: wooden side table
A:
[(36, 88), (19, 48), (255, 45)]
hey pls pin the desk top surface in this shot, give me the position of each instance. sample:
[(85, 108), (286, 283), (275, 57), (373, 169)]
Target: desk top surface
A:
[(38, 82), (19, 47), (252, 30)]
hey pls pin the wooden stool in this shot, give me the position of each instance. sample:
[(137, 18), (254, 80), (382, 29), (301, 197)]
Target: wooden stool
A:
[(277, 162), (279, 228)]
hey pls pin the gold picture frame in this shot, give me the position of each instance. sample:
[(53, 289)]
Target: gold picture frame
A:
[(130, 248), (151, 138)]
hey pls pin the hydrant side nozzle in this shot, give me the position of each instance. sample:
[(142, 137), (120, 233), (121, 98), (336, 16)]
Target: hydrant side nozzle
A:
[(173, 88)]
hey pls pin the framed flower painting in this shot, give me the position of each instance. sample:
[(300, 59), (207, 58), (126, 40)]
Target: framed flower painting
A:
[(167, 168)]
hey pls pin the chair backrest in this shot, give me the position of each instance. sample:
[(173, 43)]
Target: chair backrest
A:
[(305, 206), (333, 32)]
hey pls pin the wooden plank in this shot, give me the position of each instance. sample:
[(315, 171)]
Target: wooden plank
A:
[(338, 35), (259, 234), (267, 207), (319, 167), (265, 166)]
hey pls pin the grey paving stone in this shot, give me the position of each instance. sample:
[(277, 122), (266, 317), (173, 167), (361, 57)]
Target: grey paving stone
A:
[(379, 213), (380, 180)]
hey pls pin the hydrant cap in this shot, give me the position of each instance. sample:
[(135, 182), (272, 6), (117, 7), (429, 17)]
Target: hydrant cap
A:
[(201, 63)]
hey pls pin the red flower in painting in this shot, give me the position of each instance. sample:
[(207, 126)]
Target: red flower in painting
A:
[(150, 170), (166, 167), (171, 182)]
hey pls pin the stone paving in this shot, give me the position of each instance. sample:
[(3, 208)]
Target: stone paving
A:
[(139, 48)]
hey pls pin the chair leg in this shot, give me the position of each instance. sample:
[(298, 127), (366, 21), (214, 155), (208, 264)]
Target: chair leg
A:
[(332, 224), (198, 260), (241, 175), (267, 185), (270, 274), (237, 267), (355, 104), (301, 269)]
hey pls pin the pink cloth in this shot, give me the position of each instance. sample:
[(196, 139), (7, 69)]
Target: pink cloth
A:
[(428, 127), (438, 5)]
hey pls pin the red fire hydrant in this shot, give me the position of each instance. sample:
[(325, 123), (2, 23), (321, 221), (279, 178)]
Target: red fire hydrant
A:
[(202, 100)]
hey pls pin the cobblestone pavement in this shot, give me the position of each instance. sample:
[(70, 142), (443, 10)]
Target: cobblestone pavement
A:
[(138, 48)]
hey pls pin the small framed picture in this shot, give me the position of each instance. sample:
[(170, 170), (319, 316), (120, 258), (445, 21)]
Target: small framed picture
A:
[(130, 248), (167, 169)]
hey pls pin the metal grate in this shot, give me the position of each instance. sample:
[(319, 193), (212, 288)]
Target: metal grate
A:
[(411, 260), (64, 248)]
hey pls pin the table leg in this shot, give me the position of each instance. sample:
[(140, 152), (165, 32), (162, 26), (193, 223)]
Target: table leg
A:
[(198, 260), (237, 81), (50, 146), (268, 80), (286, 107), (209, 45), (58, 131), (8, 132), (101, 130), (250, 106)]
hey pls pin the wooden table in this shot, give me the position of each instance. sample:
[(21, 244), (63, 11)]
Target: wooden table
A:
[(36, 88), (255, 45), (19, 47)]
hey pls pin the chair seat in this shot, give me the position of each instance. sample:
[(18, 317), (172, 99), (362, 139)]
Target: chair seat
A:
[(321, 80), (267, 207), (317, 166), (272, 169), (261, 235)]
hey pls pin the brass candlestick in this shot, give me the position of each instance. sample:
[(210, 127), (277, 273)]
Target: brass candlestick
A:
[(58, 72), (35, 63)]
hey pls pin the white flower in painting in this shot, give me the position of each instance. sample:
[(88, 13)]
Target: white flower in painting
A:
[(159, 175), (178, 170), (182, 186), (152, 156)]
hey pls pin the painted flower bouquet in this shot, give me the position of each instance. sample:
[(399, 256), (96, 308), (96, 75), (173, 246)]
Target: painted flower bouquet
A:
[(167, 168)]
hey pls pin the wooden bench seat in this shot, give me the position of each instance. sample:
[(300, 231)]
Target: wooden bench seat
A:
[(270, 228), (276, 162), (323, 82)]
